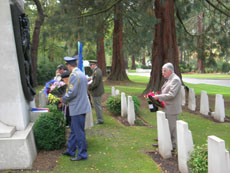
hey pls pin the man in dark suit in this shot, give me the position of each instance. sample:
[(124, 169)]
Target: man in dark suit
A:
[(97, 90), (77, 99), (171, 95)]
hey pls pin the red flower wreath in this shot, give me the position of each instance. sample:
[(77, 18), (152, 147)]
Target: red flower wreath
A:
[(156, 102)]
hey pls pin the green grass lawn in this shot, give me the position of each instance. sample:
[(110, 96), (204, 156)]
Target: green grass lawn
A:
[(113, 147), (207, 76)]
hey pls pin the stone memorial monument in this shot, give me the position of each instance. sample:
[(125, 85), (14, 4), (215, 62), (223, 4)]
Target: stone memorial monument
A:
[(131, 111), (192, 100), (123, 105), (219, 113), (204, 104), (17, 145)]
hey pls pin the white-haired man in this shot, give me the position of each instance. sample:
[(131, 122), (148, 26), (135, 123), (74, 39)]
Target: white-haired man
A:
[(171, 95)]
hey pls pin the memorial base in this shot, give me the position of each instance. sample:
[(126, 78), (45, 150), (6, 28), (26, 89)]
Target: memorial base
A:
[(18, 151)]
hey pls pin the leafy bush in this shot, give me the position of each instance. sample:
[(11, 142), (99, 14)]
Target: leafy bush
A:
[(225, 67), (46, 72), (52, 108), (49, 131), (146, 67), (114, 104), (199, 159)]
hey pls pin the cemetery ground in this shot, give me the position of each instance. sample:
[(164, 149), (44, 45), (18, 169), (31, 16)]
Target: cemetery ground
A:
[(115, 147)]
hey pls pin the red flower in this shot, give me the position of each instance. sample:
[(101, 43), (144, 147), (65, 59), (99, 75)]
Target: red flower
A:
[(156, 102)]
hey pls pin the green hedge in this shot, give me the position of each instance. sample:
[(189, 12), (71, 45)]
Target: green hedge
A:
[(49, 130)]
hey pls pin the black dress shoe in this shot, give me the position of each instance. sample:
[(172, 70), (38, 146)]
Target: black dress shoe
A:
[(77, 159), (66, 154), (98, 122)]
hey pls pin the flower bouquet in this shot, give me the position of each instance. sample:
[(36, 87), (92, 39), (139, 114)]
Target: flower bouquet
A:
[(154, 103), (58, 89)]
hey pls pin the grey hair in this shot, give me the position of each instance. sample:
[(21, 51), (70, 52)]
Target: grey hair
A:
[(168, 66)]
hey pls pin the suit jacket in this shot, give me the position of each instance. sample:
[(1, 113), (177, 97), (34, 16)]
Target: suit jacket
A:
[(171, 95), (96, 87), (77, 95)]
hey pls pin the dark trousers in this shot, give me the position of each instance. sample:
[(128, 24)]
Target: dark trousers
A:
[(77, 137)]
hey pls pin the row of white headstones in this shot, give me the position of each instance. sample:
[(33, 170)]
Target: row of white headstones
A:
[(218, 156), (219, 113)]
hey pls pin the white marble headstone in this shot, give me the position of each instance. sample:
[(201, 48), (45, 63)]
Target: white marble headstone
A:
[(218, 157), (113, 91), (204, 104), (117, 92), (183, 97), (192, 100), (131, 111), (184, 145), (219, 113), (164, 137), (123, 105), (42, 99)]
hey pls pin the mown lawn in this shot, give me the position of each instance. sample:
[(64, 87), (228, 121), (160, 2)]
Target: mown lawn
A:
[(113, 147)]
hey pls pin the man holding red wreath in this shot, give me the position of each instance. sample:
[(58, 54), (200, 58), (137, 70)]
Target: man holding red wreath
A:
[(171, 95)]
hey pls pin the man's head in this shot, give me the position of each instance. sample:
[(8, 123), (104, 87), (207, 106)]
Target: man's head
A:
[(65, 76), (71, 62), (61, 68), (167, 70), (93, 64)]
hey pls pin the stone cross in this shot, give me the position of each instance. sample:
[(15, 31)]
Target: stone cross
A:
[(164, 137)]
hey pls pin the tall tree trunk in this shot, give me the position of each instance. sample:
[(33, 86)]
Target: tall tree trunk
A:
[(164, 47), (143, 60), (133, 67), (200, 45), (100, 50), (118, 72), (35, 41)]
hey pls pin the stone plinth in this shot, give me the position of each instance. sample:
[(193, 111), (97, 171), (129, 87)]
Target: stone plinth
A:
[(184, 145), (183, 96), (219, 113), (131, 111), (218, 157), (123, 105), (192, 100), (204, 104), (164, 137), (6, 131), (18, 151)]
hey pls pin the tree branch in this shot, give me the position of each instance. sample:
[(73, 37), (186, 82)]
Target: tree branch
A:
[(223, 5), (221, 11), (101, 11)]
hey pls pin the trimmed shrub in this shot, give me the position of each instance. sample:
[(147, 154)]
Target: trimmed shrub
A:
[(49, 131), (199, 159), (114, 104), (225, 67)]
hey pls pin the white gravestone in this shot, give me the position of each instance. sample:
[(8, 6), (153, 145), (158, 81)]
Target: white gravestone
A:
[(117, 92), (204, 104), (218, 157), (183, 97), (219, 113), (192, 100), (164, 137), (89, 120), (42, 99), (113, 91), (184, 145), (123, 105), (17, 147), (131, 111)]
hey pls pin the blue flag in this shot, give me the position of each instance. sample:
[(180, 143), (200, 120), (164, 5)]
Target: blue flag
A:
[(80, 61)]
